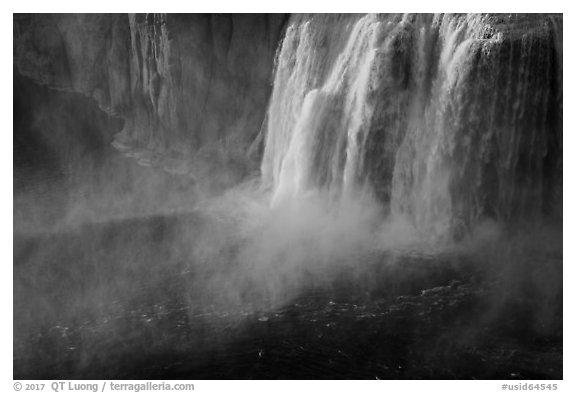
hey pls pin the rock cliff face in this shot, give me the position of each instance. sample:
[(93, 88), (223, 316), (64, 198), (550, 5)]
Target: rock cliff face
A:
[(192, 89), (446, 118)]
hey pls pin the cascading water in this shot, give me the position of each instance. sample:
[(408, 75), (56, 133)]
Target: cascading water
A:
[(405, 224), (446, 119)]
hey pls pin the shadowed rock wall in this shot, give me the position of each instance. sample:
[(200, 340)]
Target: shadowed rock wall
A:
[(192, 89)]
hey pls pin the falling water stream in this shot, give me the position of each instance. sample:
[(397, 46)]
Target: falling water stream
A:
[(447, 118)]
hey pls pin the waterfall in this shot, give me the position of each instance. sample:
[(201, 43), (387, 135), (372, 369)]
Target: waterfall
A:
[(446, 119)]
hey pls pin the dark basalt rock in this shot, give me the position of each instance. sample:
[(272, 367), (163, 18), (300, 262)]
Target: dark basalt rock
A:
[(190, 88)]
